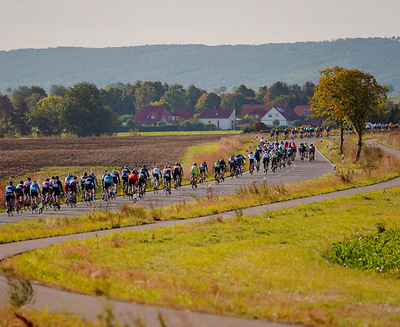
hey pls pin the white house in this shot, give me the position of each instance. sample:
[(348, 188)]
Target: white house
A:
[(223, 118), (284, 114)]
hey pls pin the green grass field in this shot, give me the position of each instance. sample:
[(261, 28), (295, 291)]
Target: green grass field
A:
[(273, 266)]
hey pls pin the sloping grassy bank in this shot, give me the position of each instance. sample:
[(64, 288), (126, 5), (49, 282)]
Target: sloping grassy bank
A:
[(273, 266)]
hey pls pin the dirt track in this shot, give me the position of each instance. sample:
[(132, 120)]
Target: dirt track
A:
[(21, 156)]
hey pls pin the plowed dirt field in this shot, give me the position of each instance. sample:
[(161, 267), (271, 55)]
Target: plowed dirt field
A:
[(22, 156)]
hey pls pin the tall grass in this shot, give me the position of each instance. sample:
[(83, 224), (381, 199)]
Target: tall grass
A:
[(391, 139)]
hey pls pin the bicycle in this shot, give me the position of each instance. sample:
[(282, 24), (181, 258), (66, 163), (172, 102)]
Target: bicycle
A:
[(312, 156), (168, 188), (142, 190), (132, 193), (177, 183), (216, 176), (251, 168), (34, 205), (193, 181), (155, 185), (10, 208)]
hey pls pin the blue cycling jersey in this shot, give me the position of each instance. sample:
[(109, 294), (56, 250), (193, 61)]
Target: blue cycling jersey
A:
[(34, 187), (10, 189), (107, 179)]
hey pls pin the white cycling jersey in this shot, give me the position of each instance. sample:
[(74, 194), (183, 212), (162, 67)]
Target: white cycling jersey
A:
[(156, 171)]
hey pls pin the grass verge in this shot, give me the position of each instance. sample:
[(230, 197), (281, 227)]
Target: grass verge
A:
[(391, 139), (273, 266)]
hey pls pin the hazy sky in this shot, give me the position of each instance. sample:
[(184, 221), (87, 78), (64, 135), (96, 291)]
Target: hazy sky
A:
[(110, 23)]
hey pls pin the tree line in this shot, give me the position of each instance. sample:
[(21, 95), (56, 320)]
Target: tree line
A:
[(84, 109)]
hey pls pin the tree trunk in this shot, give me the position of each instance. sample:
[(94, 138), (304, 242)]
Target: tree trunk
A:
[(359, 146), (341, 137)]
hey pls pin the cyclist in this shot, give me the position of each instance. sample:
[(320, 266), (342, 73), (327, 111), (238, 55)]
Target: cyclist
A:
[(203, 170), (302, 149), (67, 182), (217, 170), (266, 160), (257, 156), (223, 168), (90, 185), (194, 172), (73, 185), (115, 177), (83, 182), (133, 180), (167, 176), (311, 152), (19, 200), (177, 175), (34, 191), (232, 165), (251, 162), (46, 190), (27, 188), (125, 176), (143, 175), (156, 176), (10, 195), (145, 171), (306, 150), (57, 188), (106, 181)]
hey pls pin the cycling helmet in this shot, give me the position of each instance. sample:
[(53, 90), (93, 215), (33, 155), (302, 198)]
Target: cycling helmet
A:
[(69, 174), (144, 166), (57, 177), (195, 164), (156, 166), (115, 171), (21, 182), (52, 177), (10, 182), (177, 164), (28, 178), (48, 179), (126, 167)]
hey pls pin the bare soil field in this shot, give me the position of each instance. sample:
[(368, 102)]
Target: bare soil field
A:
[(22, 156)]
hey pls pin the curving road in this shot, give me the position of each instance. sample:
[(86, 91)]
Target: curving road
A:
[(89, 306)]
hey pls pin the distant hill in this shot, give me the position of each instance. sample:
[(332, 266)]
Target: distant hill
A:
[(207, 67)]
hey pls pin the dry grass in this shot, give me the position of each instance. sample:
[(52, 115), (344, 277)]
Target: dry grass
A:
[(391, 139)]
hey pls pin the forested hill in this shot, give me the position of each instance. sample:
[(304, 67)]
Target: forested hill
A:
[(207, 67)]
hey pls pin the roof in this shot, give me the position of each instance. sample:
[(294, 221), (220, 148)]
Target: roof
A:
[(183, 114), (302, 111), (254, 109), (286, 112), (212, 113), (152, 114)]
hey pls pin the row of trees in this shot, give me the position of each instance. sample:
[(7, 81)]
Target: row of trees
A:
[(128, 99), (77, 110), (86, 110)]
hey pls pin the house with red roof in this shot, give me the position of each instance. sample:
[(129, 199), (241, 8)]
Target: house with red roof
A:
[(302, 111), (223, 118), (181, 115), (257, 111), (151, 115), (281, 112)]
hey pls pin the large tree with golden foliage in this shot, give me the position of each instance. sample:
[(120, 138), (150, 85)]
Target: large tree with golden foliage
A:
[(348, 95)]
